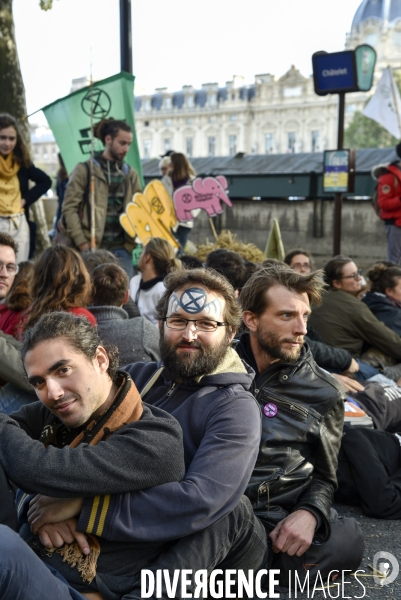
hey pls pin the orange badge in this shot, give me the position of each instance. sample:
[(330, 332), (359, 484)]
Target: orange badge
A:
[(386, 189)]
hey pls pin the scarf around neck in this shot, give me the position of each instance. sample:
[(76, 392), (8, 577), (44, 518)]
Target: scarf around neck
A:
[(8, 166), (126, 408)]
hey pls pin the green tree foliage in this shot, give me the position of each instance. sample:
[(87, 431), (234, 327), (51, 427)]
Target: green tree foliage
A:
[(366, 133)]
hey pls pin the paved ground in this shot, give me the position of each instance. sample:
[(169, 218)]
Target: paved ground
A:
[(380, 536)]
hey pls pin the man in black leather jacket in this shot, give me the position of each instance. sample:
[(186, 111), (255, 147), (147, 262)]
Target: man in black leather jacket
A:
[(294, 479)]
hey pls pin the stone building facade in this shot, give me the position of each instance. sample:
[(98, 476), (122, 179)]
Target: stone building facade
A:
[(273, 115)]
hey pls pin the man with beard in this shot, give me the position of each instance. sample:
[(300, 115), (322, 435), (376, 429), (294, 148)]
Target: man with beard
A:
[(292, 486), (204, 519), (115, 184)]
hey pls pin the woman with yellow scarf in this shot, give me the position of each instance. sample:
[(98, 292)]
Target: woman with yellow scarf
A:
[(16, 170)]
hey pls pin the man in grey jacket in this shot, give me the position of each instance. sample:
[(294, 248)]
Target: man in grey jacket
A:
[(89, 435), (136, 339)]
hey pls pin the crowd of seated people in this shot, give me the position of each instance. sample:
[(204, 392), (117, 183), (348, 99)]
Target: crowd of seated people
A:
[(340, 331)]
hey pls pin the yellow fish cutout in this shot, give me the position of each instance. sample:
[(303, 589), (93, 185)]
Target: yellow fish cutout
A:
[(150, 214)]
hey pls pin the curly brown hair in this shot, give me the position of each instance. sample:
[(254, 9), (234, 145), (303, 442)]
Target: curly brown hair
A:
[(78, 334), (60, 281), (383, 278)]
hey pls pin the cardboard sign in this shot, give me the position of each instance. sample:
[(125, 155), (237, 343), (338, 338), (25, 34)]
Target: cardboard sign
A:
[(150, 214), (206, 193)]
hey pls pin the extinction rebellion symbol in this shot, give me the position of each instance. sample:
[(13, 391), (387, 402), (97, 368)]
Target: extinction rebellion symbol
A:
[(100, 101)]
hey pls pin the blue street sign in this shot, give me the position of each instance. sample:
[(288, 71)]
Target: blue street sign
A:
[(335, 72)]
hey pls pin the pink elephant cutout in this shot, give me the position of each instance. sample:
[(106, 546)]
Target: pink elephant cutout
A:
[(207, 193)]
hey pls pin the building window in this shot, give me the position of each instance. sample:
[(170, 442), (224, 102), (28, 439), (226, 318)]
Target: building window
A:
[(212, 100), (211, 145), (146, 105), (167, 144), (292, 92), (146, 123), (233, 117), (190, 101), (232, 145), (146, 148), (189, 144), (167, 122), (315, 141), (232, 96), (268, 143), (167, 103), (212, 120), (291, 141), (189, 121)]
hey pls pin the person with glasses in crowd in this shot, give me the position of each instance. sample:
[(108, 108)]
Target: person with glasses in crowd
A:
[(343, 321), (8, 265), (299, 260)]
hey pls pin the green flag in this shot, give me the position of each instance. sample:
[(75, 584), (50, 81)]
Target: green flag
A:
[(274, 246), (69, 118)]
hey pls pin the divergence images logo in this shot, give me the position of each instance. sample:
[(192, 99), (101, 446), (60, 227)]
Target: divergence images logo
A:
[(100, 102), (387, 565)]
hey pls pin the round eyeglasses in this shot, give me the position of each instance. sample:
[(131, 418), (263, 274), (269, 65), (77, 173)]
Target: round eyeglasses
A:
[(355, 276), (180, 324), (11, 268)]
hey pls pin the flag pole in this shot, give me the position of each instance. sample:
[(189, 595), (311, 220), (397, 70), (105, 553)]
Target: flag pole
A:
[(92, 175), (395, 98)]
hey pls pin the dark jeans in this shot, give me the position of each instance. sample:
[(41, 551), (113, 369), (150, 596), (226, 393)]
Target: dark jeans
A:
[(125, 259), (182, 235), (13, 398), (237, 541), (342, 551), (365, 371), (23, 576), (393, 233)]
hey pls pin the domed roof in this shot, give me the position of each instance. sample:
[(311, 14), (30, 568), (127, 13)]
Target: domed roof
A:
[(385, 11)]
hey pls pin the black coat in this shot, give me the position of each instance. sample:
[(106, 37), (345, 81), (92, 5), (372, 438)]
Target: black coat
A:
[(41, 180), (384, 310), (30, 195), (297, 460)]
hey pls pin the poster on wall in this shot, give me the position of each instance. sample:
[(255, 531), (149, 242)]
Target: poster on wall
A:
[(338, 171)]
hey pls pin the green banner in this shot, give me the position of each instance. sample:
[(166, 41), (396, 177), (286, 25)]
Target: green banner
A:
[(69, 118)]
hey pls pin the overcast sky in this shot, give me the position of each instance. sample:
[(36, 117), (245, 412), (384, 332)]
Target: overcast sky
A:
[(175, 42)]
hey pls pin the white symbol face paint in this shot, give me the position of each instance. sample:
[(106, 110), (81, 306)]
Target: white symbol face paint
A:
[(194, 301)]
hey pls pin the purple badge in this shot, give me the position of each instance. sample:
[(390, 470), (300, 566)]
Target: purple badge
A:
[(270, 410)]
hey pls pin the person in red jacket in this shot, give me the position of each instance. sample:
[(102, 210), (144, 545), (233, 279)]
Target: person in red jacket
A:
[(389, 203)]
